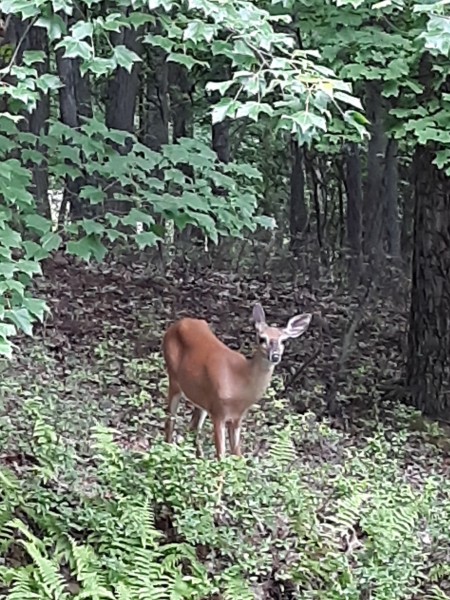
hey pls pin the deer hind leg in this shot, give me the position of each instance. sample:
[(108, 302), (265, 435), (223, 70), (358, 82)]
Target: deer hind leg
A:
[(198, 418), (234, 436), (173, 400)]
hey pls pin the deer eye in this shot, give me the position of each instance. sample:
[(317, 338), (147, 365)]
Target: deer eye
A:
[(262, 340)]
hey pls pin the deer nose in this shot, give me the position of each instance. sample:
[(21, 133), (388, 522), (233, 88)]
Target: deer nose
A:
[(274, 357)]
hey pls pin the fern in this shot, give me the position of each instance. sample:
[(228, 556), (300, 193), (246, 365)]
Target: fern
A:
[(283, 452), (23, 586), (235, 587)]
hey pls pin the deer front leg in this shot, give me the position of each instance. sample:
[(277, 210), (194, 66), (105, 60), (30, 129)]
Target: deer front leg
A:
[(219, 437), (174, 397)]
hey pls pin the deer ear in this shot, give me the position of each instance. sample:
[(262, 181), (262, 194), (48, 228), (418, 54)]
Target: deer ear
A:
[(297, 325), (258, 315)]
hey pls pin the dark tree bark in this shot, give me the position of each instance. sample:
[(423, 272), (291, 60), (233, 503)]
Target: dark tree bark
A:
[(298, 216), (37, 121), (407, 224), (353, 188), (33, 38), (181, 88), (123, 93), (74, 104), (373, 192), (428, 369), (155, 105), (221, 140), (392, 218), (123, 86)]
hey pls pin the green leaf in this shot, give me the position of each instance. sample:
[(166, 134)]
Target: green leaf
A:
[(437, 36), (6, 349), (136, 216), (98, 66), (33, 56), (159, 41), (38, 223), (10, 238), (47, 82), (207, 224), (113, 235), (21, 318), (11, 285), (139, 18), (253, 109), (34, 251), (54, 25), (112, 219), (307, 120), (65, 6), (227, 107), (125, 58), (146, 238), (75, 48), (91, 226), (7, 330), (358, 121), (265, 221), (87, 247), (185, 60), (82, 29), (51, 241), (30, 267), (36, 307), (343, 97), (7, 269)]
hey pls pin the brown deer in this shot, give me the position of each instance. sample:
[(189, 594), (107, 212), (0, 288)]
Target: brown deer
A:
[(219, 381)]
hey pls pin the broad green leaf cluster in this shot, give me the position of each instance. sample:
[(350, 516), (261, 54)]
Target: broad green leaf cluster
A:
[(128, 192)]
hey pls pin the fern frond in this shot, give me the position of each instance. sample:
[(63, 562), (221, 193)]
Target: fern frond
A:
[(283, 452), (23, 587), (238, 589)]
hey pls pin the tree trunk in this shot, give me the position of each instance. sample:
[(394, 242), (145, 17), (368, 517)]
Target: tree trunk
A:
[(298, 218), (155, 109), (392, 218), (221, 140), (428, 369), (123, 86), (407, 225), (36, 121), (353, 188), (373, 192), (121, 104), (180, 90), (74, 102)]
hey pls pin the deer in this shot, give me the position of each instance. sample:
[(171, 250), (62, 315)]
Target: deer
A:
[(218, 381)]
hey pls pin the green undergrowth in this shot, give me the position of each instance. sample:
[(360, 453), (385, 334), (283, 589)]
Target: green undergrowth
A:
[(317, 515)]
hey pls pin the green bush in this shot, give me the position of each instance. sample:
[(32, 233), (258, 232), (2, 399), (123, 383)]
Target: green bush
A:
[(315, 516)]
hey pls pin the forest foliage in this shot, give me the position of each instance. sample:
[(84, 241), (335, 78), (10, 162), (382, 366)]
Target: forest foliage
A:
[(300, 128), (294, 68)]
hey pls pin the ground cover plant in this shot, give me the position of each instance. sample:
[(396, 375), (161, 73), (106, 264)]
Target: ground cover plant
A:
[(96, 505)]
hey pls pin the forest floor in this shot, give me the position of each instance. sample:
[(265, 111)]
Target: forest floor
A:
[(97, 359)]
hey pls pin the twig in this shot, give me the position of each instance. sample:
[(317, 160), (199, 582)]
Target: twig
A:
[(347, 341), (18, 48)]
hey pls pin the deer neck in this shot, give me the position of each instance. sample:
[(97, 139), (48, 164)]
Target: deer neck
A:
[(260, 371)]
